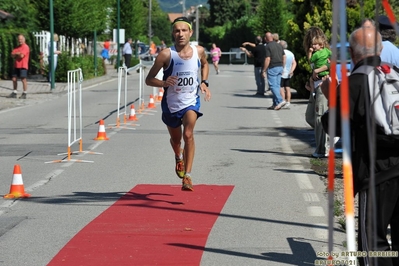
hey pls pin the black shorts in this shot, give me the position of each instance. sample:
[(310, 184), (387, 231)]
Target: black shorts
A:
[(284, 82), (20, 73)]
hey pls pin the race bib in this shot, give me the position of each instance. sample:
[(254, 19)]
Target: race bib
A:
[(185, 82)]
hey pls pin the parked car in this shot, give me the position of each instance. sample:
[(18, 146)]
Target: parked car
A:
[(348, 60)]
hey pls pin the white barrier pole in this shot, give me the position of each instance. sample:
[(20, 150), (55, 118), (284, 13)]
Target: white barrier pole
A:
[(74, 102)]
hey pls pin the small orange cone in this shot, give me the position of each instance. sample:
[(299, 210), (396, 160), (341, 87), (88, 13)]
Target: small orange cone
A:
[(132, 116), (160, 94), (151, 104), (17, 189), (101, 135)]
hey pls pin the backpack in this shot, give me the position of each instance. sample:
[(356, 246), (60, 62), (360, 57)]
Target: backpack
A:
[(384, 95)]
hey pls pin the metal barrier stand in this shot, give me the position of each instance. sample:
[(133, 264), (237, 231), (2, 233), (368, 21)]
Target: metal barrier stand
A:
[(75, 79)]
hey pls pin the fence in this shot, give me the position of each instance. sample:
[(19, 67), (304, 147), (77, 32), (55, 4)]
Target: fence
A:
[(237, 56), (72, 45)]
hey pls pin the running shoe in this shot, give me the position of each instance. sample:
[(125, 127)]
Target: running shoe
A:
[(179, 168), (187, 185)]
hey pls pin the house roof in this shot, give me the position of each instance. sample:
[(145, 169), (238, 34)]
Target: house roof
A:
[(173, 16)]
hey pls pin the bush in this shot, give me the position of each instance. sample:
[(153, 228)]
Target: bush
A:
[(67, 62)]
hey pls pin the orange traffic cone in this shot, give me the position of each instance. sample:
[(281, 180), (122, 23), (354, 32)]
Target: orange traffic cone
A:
[(132, 116), (17, 189), (101, 135), (151, 104), (160, 94)]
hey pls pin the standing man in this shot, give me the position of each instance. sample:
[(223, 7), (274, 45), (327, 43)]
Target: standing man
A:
[(163, 45), (274, 62), (389, 53), (288, 71), (181, 101), (21, 62), (365, 48), (258, 51), (127, 52)]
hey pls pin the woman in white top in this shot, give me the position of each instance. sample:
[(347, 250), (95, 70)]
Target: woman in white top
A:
[(56, 53)]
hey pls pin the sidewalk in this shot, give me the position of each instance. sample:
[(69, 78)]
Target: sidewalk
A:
[(39, 89)]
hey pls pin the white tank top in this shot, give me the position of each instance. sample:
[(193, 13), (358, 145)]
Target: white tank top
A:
[(185, 92)]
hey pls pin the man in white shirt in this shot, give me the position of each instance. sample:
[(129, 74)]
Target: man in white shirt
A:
[(127, 52)]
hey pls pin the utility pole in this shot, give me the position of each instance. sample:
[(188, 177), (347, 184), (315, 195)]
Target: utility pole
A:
[(52, 74), (197, 23), (118, 57), (149, 23)]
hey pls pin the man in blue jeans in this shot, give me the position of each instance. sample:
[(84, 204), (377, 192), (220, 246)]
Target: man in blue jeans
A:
[(274, 62)]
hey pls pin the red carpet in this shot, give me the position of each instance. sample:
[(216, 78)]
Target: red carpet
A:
[(149, 225)]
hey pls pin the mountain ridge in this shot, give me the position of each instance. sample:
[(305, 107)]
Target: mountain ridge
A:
[(176, 6)]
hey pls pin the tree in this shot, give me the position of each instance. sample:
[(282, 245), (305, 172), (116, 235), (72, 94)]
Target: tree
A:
[(72, 18), (270, 17), (132, 13), (25, 14), (160, 24), (223, 11)]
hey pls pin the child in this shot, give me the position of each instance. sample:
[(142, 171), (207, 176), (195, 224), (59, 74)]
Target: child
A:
[(319, 58)]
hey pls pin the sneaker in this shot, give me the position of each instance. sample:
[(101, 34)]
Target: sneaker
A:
[(280, 105), (12, 95), (287, 105), (271, 107), (179, 168), (23, 96), (187, 185)]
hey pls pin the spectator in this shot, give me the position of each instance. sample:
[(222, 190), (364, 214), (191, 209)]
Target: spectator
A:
[(163, 45), (365, 48), (127, 53), (288, 71), (153, 49), (105, 51), (56, 53), (20, 54), (216, 53), (258, 52), (274, 62), (389, 53), (276, 37), (181, 102), (318, 103)]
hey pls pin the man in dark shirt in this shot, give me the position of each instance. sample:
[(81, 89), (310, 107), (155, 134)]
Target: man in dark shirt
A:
[(274, 62), (364, 51), (258, 52)]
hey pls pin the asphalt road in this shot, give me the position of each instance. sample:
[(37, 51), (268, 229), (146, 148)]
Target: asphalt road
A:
[(276, 214)]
